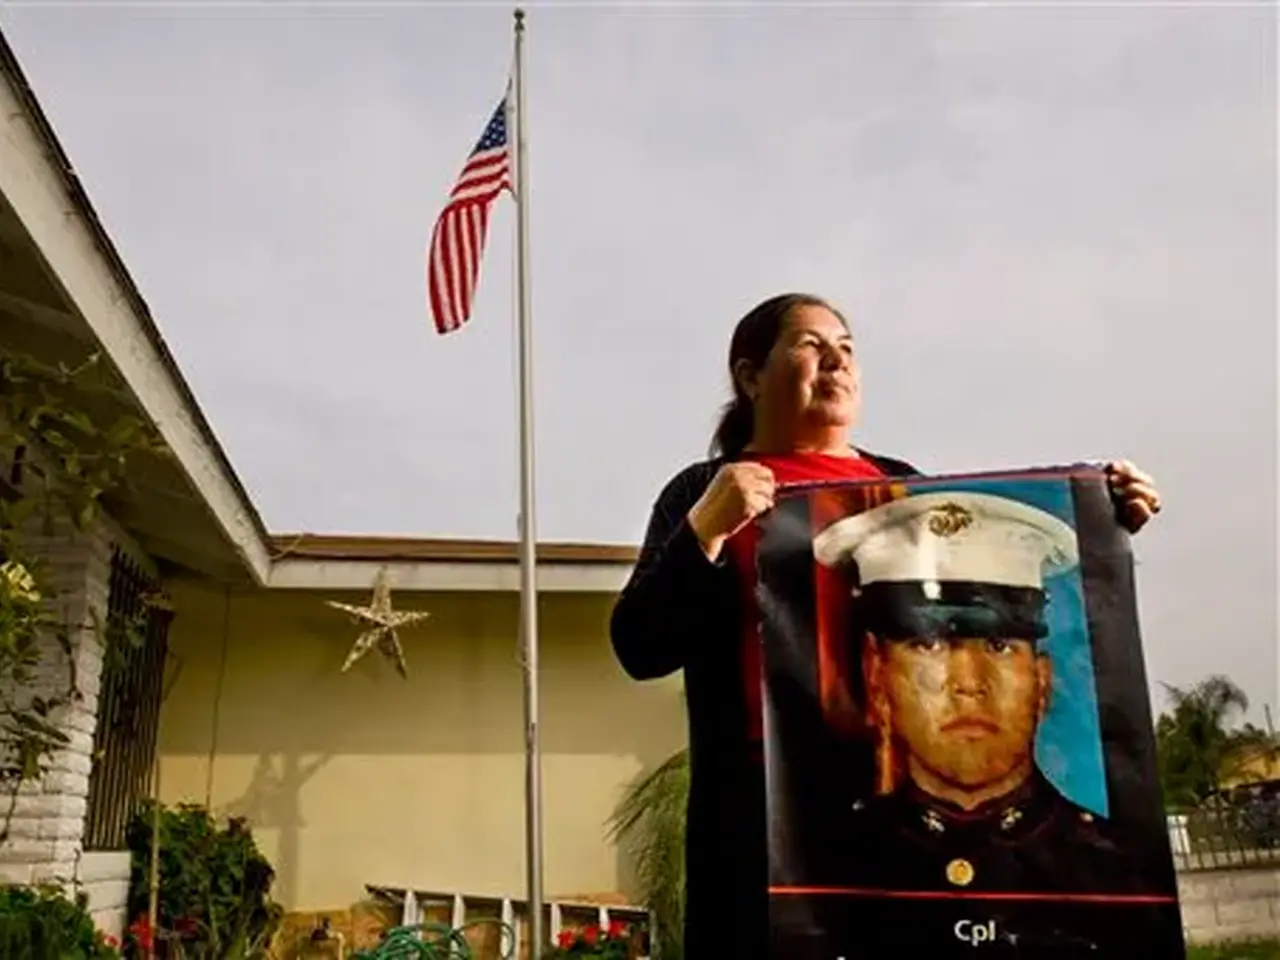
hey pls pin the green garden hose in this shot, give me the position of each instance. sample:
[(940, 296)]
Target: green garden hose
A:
[(437, 941)]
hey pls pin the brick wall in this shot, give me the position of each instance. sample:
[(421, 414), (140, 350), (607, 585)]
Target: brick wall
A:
[(47, 829), (1230, 904), (103, 878)]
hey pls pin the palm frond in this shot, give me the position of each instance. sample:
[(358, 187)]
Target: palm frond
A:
[(1198, 745), (649, 824)]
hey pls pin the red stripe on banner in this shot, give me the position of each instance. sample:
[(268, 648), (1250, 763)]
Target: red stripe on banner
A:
[(836, 668), (873, 894), (833, 643), (831, 603)]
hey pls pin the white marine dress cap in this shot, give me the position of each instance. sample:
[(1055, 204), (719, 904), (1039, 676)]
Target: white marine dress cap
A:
[(960, 536)]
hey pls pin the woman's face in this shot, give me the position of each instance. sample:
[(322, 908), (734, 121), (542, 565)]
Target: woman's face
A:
[(811, 375)]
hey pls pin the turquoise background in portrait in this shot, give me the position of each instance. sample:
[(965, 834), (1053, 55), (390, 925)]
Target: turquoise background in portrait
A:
[(1069, 741)]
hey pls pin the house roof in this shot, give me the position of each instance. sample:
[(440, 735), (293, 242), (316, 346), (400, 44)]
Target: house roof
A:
[(313, 546), (72, 290)]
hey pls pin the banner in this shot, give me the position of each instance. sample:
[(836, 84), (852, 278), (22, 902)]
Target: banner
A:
[(958, 739)]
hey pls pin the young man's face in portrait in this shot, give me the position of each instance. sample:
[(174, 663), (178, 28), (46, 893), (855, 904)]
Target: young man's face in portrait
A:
[(964, 710)]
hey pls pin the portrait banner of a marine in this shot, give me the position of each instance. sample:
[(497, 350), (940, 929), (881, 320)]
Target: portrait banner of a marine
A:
[(958, 749)]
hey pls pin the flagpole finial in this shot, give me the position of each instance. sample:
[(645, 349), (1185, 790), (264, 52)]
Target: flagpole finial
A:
[(519, 15)]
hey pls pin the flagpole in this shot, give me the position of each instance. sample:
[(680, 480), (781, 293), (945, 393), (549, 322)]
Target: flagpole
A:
[(528, 527)]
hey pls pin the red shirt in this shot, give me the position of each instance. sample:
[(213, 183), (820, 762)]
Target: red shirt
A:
[(788, 470)]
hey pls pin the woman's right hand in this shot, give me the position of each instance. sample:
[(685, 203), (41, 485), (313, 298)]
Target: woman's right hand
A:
[(737, 494)]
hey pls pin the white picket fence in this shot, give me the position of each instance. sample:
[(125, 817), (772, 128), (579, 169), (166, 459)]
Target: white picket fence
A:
[(462, 908)]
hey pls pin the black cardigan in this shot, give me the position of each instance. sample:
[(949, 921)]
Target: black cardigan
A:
[(680, 611)]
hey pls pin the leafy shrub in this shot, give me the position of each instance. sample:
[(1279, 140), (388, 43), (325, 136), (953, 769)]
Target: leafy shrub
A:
[(215, 886), (42, 923), (1260, 821)]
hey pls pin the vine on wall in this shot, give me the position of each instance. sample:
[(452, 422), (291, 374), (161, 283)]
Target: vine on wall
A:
[(57, 463)]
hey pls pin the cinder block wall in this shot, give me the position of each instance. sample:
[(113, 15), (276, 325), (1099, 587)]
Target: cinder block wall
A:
[(47, 831), (46, 834), (1230, 904)]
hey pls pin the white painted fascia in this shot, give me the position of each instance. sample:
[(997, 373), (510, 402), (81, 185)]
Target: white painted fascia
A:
[(445, 576), (39, 194)]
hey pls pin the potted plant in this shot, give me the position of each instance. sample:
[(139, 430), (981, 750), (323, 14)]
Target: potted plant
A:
[(608, 943)]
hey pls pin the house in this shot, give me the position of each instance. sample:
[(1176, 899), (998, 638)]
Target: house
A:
[(349, 779), (1258, 764)]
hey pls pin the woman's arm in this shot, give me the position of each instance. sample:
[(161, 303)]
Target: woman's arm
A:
[(670, 602)]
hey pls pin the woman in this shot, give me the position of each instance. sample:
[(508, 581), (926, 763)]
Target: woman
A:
[(796, 395)]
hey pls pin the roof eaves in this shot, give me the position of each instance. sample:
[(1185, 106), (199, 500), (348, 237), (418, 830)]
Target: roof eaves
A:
[(12, 70)]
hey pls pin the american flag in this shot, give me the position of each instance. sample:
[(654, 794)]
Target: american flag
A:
[(457, 244)]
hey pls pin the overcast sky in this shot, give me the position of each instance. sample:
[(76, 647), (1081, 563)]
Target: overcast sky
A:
[(1054, 230)]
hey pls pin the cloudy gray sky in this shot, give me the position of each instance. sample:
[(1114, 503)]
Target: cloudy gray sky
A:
[(1054, 229)]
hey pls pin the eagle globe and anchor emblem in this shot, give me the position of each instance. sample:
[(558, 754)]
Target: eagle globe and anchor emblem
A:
[(948, 519)]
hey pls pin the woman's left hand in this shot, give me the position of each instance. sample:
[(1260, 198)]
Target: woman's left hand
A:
[(1134, 493)]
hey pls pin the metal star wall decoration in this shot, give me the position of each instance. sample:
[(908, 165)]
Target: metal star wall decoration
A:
[(385, 622)]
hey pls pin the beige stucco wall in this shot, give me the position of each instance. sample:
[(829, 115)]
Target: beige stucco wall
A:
[(365, 777)]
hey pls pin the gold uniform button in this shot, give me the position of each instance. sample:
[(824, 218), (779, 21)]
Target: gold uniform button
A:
[(960, 872)]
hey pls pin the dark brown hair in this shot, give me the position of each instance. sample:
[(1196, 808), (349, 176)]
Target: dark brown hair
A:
[(753, 338)]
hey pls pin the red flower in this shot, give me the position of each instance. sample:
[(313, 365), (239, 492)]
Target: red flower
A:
[(591, 934), (110, 941), (141, 931), (617, 930), (565, 940)]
